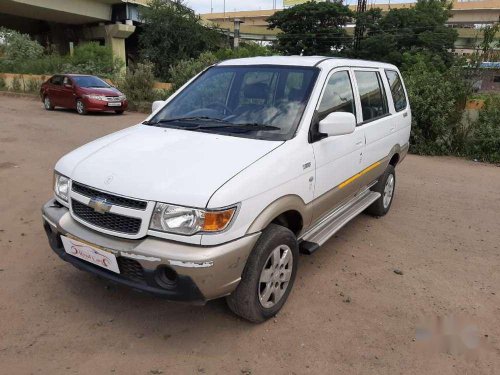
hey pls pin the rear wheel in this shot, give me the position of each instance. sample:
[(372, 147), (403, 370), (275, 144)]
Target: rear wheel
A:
[(80, 107), (385, 186), (268, 275), (47, 103)]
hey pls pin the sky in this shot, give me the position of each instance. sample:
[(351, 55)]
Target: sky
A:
[(203, 6)]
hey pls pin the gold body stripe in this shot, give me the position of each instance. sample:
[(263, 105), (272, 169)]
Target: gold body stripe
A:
[(366, 170)]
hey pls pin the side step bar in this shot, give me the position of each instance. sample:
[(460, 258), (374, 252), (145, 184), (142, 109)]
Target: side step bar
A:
[(321, 232)]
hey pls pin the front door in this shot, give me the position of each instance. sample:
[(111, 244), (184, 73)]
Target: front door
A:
[(338, 158)]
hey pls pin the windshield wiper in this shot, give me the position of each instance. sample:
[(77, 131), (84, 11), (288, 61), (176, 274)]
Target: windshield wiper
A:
[(180, 119), (239, 127)]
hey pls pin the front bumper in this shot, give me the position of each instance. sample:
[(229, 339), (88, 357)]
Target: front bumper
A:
[(93, 105), (200, 273)]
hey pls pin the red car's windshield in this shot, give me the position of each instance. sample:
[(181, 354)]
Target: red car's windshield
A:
[(89, 81)]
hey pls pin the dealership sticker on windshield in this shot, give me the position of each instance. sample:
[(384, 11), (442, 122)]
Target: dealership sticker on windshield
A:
[(91, 254)]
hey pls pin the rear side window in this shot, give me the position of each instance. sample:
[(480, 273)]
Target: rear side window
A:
[(56, 80), (338, 96), (397, 90), (372, 94)]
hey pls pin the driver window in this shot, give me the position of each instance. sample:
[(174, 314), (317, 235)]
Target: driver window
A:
[(338, 95), (66, 81)]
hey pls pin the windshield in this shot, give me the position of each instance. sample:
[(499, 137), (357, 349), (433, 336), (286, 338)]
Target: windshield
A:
[(264, 102), (89, 81)]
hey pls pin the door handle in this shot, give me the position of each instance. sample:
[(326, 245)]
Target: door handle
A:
[(359, 143)]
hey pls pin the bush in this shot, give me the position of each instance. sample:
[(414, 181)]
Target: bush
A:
[(92, 58), (437, 100), (33, 85), (484, 142), (20, 54), (16, 84), (3, 85), (19, 47), (138, 83)]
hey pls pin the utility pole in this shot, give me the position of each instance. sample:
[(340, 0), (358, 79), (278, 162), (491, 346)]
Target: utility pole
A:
[(360, 29)]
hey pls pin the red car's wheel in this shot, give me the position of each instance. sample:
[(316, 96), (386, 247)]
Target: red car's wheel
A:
[(80, 107), (47, 103)]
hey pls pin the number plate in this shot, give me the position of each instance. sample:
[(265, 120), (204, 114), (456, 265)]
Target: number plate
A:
[(91, 254), (114, 104)]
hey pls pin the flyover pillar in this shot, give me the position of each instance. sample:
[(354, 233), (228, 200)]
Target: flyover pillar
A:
[(114, 36)]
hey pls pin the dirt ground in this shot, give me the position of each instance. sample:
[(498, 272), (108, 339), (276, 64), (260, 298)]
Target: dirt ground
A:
[(349, 312)]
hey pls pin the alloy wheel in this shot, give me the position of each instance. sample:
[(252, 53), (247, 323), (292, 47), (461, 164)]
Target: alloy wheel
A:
[(388, 191), (275, 276)]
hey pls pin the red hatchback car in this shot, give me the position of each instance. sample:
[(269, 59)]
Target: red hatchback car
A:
[(82, 92)]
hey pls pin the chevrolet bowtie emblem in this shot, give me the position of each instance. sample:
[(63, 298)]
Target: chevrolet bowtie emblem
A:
[(100, 205)]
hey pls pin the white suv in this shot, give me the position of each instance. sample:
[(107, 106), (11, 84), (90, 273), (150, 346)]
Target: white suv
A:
[(216, 193)]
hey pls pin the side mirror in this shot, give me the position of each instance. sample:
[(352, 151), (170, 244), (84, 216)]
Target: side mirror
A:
[(157, 104), (338, 123)]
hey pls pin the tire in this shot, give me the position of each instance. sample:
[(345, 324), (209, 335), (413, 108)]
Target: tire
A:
[(245, 301), (119, 112), (386, 187), (47, 104), (80, 107)]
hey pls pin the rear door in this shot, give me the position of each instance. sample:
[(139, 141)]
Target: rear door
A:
[(338, 158), (377, 122), (398, 105), (55, 90)]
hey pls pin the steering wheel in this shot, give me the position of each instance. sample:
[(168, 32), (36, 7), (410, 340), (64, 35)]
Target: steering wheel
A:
[(219, 106)]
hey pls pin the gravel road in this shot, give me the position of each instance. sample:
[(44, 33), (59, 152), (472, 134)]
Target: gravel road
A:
[(363, 304)]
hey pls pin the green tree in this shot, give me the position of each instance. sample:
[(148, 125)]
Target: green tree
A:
[(387, 37), (171, 32), (312, 28)]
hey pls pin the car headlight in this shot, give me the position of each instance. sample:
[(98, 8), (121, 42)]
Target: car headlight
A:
[(61, 186), (95, 97), (187, 221), (122, 97)]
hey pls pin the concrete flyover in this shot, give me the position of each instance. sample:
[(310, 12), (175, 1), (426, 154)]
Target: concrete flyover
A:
[(60, 22)]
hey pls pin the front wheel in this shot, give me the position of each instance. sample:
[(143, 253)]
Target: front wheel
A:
[(47, 103), (385, 186), (268, 276), (80, 107)]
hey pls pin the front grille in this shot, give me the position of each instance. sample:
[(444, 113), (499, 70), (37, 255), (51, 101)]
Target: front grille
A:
[(110, 198), (108, 220), (131, 269), (113, 98)]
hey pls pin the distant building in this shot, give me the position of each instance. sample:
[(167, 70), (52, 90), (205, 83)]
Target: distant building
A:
[(468, 16)]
